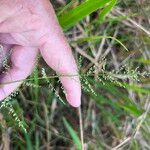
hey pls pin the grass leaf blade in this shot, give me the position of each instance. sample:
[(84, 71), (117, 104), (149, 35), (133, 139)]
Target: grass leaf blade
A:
[(72, 17), (73, 135)]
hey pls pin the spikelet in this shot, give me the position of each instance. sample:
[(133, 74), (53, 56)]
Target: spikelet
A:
[(30, 84), (7, 104), (51, 87), (118, 77)]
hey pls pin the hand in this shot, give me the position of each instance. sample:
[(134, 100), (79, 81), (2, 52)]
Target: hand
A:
[(29, 26)]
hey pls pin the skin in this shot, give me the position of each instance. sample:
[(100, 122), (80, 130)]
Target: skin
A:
[(28, 27)]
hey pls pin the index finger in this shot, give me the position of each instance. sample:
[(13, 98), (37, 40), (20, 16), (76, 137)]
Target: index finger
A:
[(57, 53)]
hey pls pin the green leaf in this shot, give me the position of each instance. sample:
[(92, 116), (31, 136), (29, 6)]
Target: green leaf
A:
[(132, 109), (94, 38), (28, 141), (72, 17), (137, 89), (142, 60), (126, 104), (107, 9), (66, 7), (73, 135)]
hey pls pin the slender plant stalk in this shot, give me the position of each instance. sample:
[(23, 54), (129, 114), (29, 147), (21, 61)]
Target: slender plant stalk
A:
[(81, 127)]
